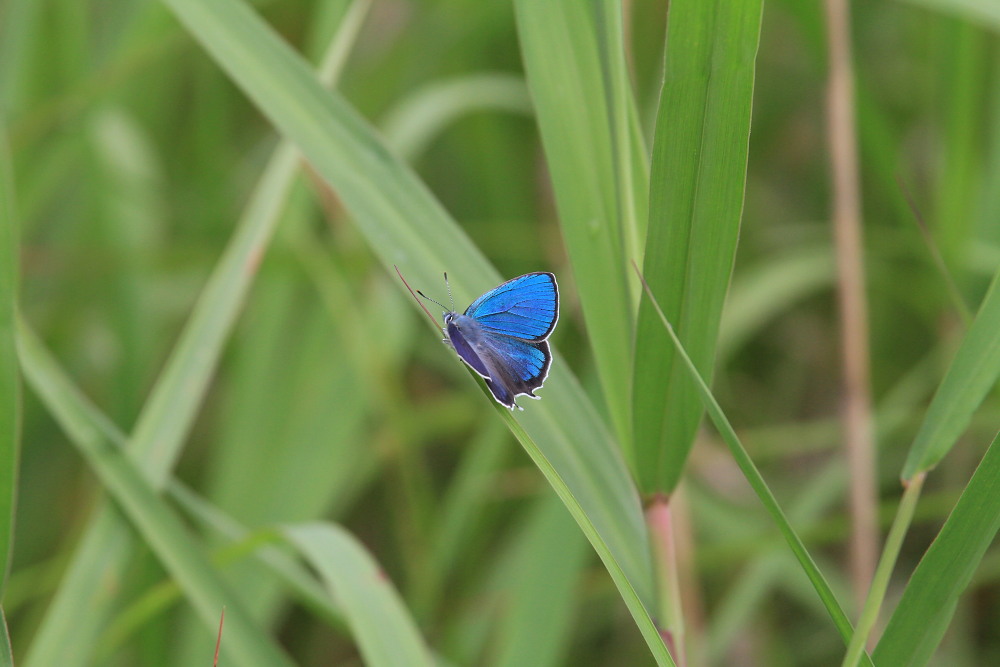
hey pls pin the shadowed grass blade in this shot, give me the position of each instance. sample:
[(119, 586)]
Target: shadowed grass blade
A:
[(695, 204)]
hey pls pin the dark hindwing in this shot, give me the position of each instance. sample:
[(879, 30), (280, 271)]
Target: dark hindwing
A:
[(525, 307), (515, 366)]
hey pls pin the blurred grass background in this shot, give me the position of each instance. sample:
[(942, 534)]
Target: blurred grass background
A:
[(133, 156)]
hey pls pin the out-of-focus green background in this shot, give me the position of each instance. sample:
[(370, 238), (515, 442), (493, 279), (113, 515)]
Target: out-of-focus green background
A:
[(134, 156)]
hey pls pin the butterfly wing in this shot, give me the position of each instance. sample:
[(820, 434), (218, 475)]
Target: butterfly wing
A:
[(515, 366), (511, 366), (526, 307)]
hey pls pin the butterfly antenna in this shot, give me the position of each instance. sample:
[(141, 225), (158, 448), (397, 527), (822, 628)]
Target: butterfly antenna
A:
[(448, 285), (414, 294)]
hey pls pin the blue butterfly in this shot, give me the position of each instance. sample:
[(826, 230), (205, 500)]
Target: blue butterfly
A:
[(502, 335)]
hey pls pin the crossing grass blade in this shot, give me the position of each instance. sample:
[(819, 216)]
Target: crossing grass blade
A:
[(924, 612), (10, 381), (404, 225), (756, 480), (970, 377), (385, 632), (578, 84), (552, 464), (135, 494), (65, 636), (697, 180)]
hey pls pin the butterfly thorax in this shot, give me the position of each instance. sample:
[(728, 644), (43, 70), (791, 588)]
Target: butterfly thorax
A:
[(457, 324)]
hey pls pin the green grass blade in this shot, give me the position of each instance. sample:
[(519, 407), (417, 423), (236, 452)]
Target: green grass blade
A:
[(919, 622), (696, 201), (10, 381), (771, 288), (6, 655), (161, 528), (984, 12), (540, 600), (575, 87), (405, 225), (305, 587), (970, 376), (66, 635), (757, 483), (382, 626), (587, 517), (414, 122)]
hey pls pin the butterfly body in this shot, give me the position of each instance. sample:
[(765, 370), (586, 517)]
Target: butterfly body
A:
[(503, 335)]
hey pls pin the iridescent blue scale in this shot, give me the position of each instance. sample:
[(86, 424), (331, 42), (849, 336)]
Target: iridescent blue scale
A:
[(502, 335)]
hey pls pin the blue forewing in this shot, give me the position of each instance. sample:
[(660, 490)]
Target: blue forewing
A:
[(502, 335)]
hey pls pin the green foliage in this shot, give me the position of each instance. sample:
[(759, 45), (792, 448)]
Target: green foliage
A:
[(695, 206), (231, 400)]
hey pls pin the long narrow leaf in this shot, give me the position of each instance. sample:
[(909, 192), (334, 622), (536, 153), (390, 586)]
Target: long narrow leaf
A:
[(756, 481), (695, 204), (929, 600), (576, 104), (405, 225), (66, 636), (380, 622), (161, 528), (972, 374), (10, 387)]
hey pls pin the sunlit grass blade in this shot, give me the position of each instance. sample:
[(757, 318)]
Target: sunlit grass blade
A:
[(382, 626), (924, 612), (10, 380), (972, 374), (406, 226), (756, 481), (65, 636), (576, 88), (696, 201), (161, 528)]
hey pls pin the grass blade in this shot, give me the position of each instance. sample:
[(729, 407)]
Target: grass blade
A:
[(541, 579), (66, 635), (970, 376), (757, 482), (162, 529), (586, 520), (696, 201), (381, 624), (919, 622), (574, 81), (413, 123), (405, 225), (984, 12), (10, 381)]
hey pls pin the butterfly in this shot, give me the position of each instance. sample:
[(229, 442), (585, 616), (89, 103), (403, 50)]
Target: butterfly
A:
[(503, 335)]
